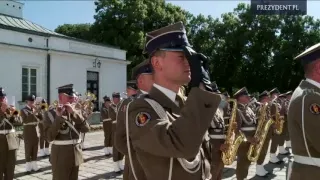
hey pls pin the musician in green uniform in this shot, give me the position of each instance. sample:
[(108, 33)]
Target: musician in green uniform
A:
[(107, 125), (166, 132), (117, 156), (142, 83), (246, 123), (31, 133), (303, 119), (217, 134), (44, 144), (265, 99), (63, 125), (8, 141), (276, 139)]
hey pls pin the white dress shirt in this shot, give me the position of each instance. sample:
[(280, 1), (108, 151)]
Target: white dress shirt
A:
[(170, 94), (143, 92)]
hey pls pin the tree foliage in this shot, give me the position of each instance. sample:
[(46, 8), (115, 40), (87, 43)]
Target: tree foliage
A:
[(80, 31), (245, 49)]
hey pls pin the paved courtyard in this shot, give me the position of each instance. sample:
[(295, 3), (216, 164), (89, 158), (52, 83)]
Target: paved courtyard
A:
[(99, 167)]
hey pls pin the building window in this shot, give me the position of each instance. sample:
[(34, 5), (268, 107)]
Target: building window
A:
[(29, 82)]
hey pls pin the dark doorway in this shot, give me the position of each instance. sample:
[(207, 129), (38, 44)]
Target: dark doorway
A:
[(93, 86)]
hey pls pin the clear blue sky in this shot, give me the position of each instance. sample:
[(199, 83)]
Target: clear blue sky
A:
[(50, 14)]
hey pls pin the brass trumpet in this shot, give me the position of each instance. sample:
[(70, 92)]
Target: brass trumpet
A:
[(44, 106), (54, 105), (86, 104), (12, 112)]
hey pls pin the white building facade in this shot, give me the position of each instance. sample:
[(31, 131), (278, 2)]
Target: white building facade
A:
[(35, 60)]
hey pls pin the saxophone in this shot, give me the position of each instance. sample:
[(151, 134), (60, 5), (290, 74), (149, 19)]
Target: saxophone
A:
[(261, 133), (234, 137), (279, 120)]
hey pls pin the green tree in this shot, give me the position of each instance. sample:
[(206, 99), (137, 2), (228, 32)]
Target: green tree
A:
[(124, 23), (80, 31), (297, 33), (244, 49)]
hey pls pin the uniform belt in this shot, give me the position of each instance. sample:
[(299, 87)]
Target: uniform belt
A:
[(66, 142), (30, 123), (217, 136), (7, 131), (307, 160), (248, 128), (109, 119)]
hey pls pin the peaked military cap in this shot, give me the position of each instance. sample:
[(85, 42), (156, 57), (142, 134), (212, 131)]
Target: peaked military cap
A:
[(143, 68), (274, 91), (66, 89), (106, 98), (43, 101), (242, 92), (132, 84), (169, 38), (2, 93), (77, 94), (282, 95), (309, 55), (214, 87), (264, 94), (288, 93), (116, 95), (226, 94), (31, 97)]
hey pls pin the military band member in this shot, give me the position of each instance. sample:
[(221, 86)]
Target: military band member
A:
[(264, 98), (44, 144), (217, 134), (62, 127), (166, 131), (117, 156), (85, 115), (31, 133), (8, 141), (303, 118), (254, 104), (120, 133), (142, 73), (288, 98), (247, 124), (284, 111), (107, 125), (276, 139)]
